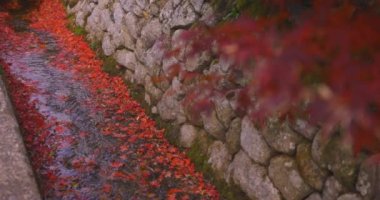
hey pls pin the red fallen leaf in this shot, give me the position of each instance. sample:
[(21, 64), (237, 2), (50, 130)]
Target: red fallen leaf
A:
[(118, 135), (124, 148), (83, 134), (116, 164), (59, 129), (107, 188), (154, 183), (123, 176)]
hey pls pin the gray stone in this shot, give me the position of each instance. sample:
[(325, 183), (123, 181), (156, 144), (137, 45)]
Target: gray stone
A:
[(331, 189), (253, 142), (132, 24), (143, 4), (128, 5), (105, 19), (16, 175), (126, 58), (103, 3), (219, 158), (151, 89), (140, 73), (208, 15), (107, 46), (153, 57), (92, 26), (314, 196), (336, 155), (182, 16), (168, 63), (224, 111), (128, 75), (280, 137), (233, 136), (212, 125), (252, 178), (118, 13), (169, 107), (368, 183), (350, 196), (305, 129), (310, 171), (187, 135), (198, 61), (150, 33), (285, 176), (178, 44), (197, 4)]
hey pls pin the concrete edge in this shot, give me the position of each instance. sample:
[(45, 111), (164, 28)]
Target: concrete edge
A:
[(17, 181)]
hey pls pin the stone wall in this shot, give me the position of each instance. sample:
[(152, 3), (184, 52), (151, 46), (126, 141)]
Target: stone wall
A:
[(280, 161)]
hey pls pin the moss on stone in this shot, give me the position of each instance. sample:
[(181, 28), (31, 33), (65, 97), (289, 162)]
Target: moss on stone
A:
[(77, 30), (199, 156)]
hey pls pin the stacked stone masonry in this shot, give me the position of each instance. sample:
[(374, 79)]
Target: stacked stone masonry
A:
[(280, 161)]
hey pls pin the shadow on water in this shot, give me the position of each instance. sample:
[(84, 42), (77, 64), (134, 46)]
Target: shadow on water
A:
[(24, 5)]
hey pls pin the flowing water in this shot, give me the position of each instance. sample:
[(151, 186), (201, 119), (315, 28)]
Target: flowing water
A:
[(64, 133)]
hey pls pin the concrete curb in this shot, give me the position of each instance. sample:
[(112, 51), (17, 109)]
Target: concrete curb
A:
[(17, 181)]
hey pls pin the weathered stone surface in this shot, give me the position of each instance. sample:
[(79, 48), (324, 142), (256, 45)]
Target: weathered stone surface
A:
[(331, 189), (285, 176), (280, 137), (303, 128), (368, 183), (197, 4), (140, 73), (212, 125), (179, 44), (128, 5), (310, 171), (169, 107), (133, 26), (314, 196), (150, 33), (187, 135), (253, 142), (153, 57), (252, 178), (118, 13), (107, 46), (208, 15), (337, 156), (350, 196), (93, 25), (224, 111), (177, 14), (151, 89), (219, 158), (233, 136), (16, 175), (197, 62), (126, 58)]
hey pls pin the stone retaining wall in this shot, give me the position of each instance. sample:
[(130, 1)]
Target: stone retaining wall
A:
[(16, 175), (280, 161)]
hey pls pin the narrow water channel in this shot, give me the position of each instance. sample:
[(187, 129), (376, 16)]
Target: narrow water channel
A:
[(86, 138)]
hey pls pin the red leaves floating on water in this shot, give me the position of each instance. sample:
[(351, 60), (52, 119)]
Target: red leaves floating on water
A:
[(137, 151)]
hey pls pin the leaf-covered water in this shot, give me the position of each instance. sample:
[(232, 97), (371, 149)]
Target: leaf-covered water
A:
[(86, 137)]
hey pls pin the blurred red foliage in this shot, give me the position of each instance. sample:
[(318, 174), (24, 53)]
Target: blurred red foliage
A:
[(321, 61)]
